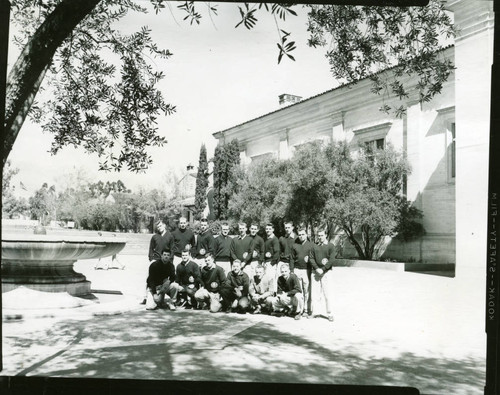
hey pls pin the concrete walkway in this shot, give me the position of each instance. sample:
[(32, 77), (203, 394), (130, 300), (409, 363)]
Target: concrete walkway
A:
[(391, 328)]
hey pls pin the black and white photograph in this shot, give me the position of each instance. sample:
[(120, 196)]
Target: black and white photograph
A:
[(271, 193)]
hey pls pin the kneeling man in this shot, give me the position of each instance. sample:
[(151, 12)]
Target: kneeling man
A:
[(212, 280), (188, 279), (161, 289), (289, 296), (235, 294), (260, 291)]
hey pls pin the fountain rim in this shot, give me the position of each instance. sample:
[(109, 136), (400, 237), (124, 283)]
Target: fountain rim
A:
[(27, 238)]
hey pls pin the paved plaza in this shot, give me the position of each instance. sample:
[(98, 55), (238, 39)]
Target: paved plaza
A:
[(391, 328)]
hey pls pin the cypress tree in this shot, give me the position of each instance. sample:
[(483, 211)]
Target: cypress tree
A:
[(200, 201), (226, 156)]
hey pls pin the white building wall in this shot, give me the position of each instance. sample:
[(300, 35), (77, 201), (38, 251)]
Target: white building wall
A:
[(473, 59)]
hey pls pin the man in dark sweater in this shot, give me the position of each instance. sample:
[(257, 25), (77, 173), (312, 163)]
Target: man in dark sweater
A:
[(322, 259), (286, 243), (289, 298), (235, 294), (300, 266), (257, 248), (182, 237), (204, 242), (162, 240), (271, 255), (160, 281), (188, 279), (222, 248), (212, 280), (240, 246)]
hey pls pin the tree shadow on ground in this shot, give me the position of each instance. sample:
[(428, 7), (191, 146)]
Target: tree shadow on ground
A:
[(137, 346), (346, 366)]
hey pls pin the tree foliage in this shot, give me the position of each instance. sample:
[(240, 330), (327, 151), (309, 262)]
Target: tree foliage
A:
[(226, 159), (11, 204), (328, 186), (261, 193), (363, 40), (200, 195), (43, 204), (111, 107)]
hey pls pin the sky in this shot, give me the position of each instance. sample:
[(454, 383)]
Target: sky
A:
[(219, 76)]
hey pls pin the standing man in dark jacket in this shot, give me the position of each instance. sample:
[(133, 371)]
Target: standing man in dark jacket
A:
[(182, 237), (212, 280), (286, 243), (188, 279), (271, 255), (240, 246), (160, 281), (161, 241), (235, 294), (301, 267), (257, 249), (289, 296), (322, 259), (222, 247), (204, 242)]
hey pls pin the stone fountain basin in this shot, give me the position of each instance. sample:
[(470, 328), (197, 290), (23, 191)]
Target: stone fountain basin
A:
[(45, 262)]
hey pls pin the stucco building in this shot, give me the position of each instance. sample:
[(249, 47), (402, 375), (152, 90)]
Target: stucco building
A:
[(446, 141)]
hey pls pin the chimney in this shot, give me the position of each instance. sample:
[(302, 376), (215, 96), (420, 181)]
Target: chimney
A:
[(286, 99)]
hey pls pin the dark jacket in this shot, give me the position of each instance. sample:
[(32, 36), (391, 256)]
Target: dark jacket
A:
[(206, 241), (319, 252), (258, 246), (238, 280), (181, 238), (273, 246), (158, 243), (184, 271), (286, 245), (290, 286), (159, 272), (239, 246), (213, 279), (222, 248), (299, 252)]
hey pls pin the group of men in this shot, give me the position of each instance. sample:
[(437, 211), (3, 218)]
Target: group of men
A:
[(286, 276)]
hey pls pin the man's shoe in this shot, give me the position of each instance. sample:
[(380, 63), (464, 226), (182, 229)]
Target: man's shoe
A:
[(143, 301), (297, 316), (257, 311), (171, 306)]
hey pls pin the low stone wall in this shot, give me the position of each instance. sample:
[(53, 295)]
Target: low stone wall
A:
[(397, 266), (394, 266), (429, 249)]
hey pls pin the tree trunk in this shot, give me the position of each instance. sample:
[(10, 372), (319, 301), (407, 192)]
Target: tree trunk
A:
[(27, 74), (354, 242)]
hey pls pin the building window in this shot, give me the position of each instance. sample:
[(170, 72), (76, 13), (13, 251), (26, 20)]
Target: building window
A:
[(375, 144), (372, 137)]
